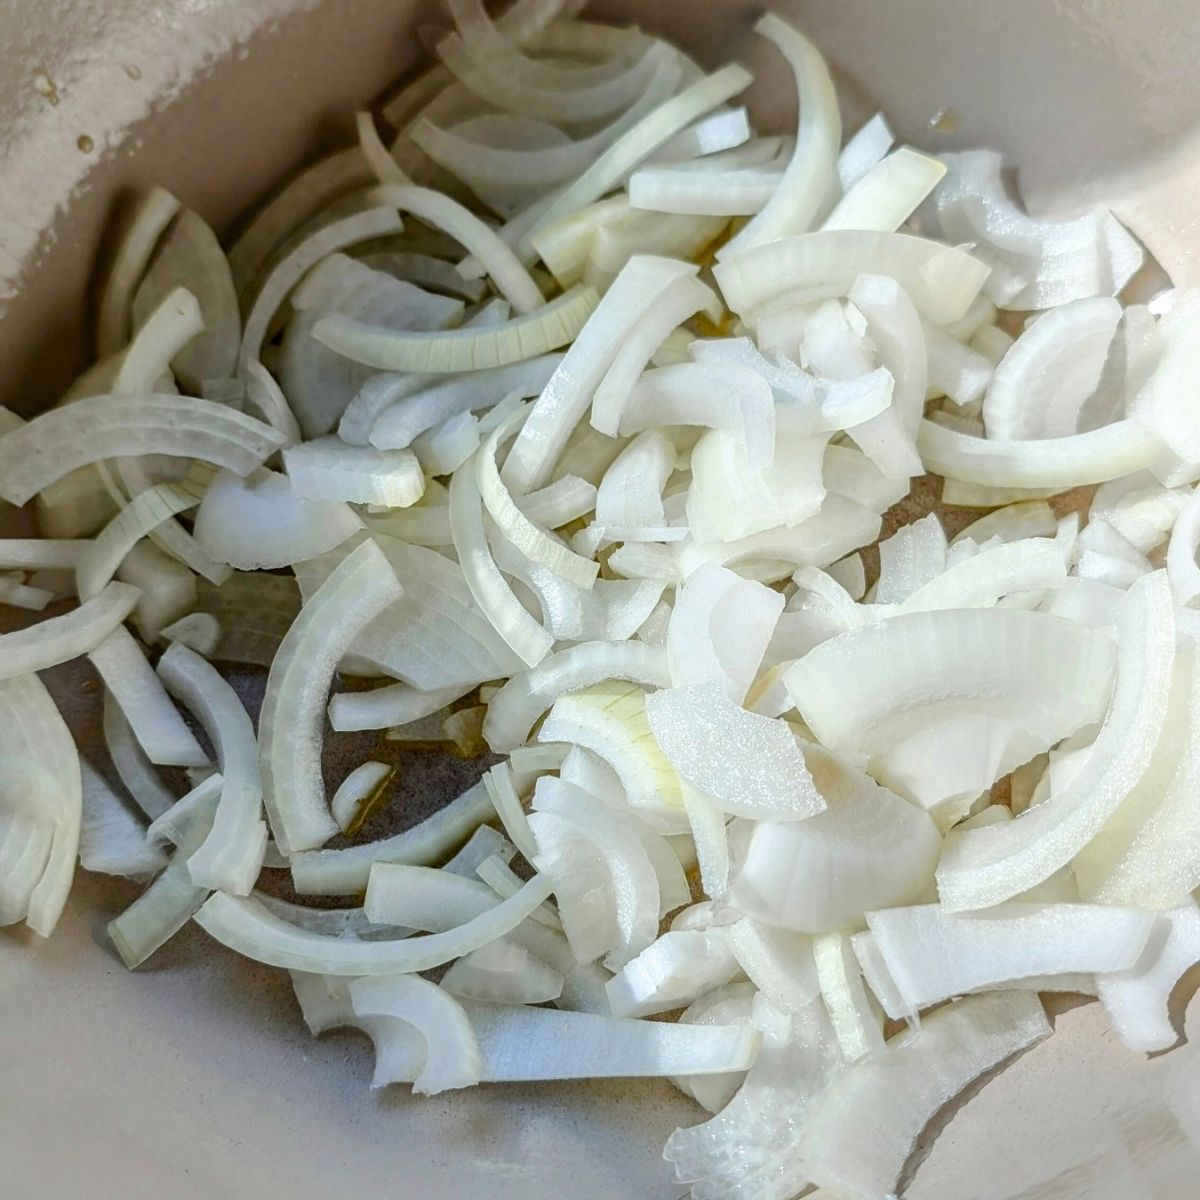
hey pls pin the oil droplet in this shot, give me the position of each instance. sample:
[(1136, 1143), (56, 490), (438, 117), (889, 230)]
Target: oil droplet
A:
[(85, 143), (133, 72), (945, 120), (46, 86)]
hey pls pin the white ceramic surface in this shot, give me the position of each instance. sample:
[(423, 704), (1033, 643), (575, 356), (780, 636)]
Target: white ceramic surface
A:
[(194, 1077)]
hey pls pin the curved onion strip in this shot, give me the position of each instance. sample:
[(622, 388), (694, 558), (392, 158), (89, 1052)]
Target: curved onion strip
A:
[(567, 395), (683, 237), (735, 183), (503, 972), (932, 954), (290, 738), (146, 511), (501, 790), (247, 927), (452, 1058), (42, 554), (637, 144), (156, 210), (231, 856), (1136, 1000), (412, 414), (677, 969), (610, 720), (797, 200), (511, 278), (742, 763), (859, 1035), (629, 500), (57, 442), (287, 273), (942, 281), (555, 324), (329, 469), (383, 708), (39, 754), (888, 194), (345, 872), (564, 244), (60, 639), (863, 1128), (1058, 463), (527, 638), (198, 631), (384, 167), (130, 679), (1042, 383), (983, 867), (112, 838), (133, 768)]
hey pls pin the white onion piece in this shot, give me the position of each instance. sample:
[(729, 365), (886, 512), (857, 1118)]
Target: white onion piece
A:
[(914, 556), (708, 188), (858, 1030), (864, 1127), (797, 201), (260, 522), (411, 415), (517, 706), (1136, 999), (134, 686), (569, 391), (887, 194), (101, 427), (678, 968), (778, 962), (188, 253), (989, 686), (112, 838), (452, 1058), (941, 280), (629, 504), (427, 272), (231, 856), (345, 872), (247, 927), (868, 849), (264, 394), (895, 329), (1013, 522), (983, 867), (329, 469), (1041, 385), (732, 1004), (555, 324), (505, 882), (742, 763), (748, 1149), (501, 790), (610, 720), (503, 973), (932, 954), (133, 768), (526, 1044), (289, 270), (957, 371), (862, 151), (62, 638), (290, 738), (42, 554), (383, 708), (384, 167), (1038, 264), (444, 448), (358, 792)]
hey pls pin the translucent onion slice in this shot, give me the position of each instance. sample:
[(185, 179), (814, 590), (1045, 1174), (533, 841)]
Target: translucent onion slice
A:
[(516, 707), (62, 638), (610, 720), (156, 210), (100, 427), (329, 469), (131, 680), (932, 954), (411, 415), (941, 281), (1136, 999), (42, 554), (527, 1044), (503, 972), (677, 969), (983, 867), (112, 838), (553, 325), (990, 683), (732, 1004), (731, 184), (188, 253), (261, 522), (743, 764), (869, 849), (230, 857), (797, 201), (345, 872), (886, 195), (864, 1127), (289, 270), (358, 793), (1041, 385), (629, 504), (855, 1022), (290, 736), (452, 1058), (133, 768), (566, 396)]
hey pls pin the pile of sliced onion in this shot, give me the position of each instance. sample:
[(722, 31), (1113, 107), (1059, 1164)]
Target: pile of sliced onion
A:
[(552, 425)]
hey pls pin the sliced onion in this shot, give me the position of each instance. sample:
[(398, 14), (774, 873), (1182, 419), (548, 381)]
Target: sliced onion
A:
[(359, 589), (887, 194), (112, 838), (855, 1023), (330, 470), (678, 968)]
